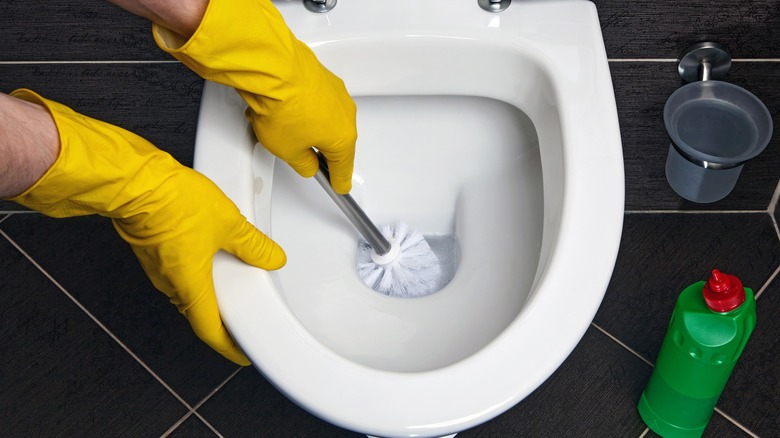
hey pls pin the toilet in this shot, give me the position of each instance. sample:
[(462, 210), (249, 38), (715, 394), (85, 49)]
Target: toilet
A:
[(495, 135)]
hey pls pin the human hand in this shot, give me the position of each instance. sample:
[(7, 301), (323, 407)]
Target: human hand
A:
[(174, 218), (294, 102), (176, 230), (316, 111)]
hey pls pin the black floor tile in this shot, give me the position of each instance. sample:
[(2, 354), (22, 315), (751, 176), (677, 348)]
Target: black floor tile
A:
[(752, 395), (664, 28), (87, 257), (718, 427), (73, 30), (192, 428), (248, 405), (594, 394), (646, 143), (661, 254), (159, 102), (60, 374)]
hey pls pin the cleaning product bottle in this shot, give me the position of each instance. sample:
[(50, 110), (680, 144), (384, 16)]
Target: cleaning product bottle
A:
[(710, 326)]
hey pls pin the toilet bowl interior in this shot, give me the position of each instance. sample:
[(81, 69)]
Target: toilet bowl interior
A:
[(454, 167)]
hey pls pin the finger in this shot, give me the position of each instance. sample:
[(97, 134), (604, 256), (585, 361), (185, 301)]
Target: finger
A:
[(303, 162), (255, 248), (341, 163), (204, 318), (340, 177)]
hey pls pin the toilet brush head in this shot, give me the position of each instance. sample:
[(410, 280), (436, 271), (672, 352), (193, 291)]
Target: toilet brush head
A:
[(410, 269)]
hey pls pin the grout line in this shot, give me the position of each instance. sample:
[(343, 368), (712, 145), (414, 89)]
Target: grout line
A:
[(767, 283), (208, 424), (219, 387), (4, 217), (197, 406), (19, 212), (772, 209), (176, 424), (677, 60), (777, 227), (726, 416), (773, 202), (85, 62), (95, 320), (211, 394), (736, 423), (641, 60), (694, 211), (166, 61), (755, 60), (619, 342)]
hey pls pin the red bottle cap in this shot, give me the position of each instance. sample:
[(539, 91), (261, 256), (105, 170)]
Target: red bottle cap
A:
[(723, 292)]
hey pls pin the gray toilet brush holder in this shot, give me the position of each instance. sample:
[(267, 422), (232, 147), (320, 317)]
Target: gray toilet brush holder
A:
[(715, 127)]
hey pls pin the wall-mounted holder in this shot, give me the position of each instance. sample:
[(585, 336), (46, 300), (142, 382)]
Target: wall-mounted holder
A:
[(494, 5), (319, 6), (715, 127)]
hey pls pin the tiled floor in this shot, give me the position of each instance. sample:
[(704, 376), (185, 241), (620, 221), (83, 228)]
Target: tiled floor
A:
[(89, 348)]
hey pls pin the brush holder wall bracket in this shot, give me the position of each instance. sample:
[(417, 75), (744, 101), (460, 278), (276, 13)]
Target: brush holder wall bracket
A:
[(715, 127)]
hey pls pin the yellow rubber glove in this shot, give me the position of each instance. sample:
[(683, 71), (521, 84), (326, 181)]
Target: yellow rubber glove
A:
[(174, 218), (294, 102)]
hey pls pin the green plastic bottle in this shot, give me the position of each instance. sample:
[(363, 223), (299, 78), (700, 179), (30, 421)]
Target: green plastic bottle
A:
[(710, 326)]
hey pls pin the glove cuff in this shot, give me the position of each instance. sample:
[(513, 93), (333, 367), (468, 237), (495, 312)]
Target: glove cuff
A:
[(244, 44)]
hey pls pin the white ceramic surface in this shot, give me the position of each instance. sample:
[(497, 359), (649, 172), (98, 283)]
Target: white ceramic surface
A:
[(499, 129)]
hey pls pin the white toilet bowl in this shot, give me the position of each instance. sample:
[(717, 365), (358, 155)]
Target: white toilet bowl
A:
[(494, 133)]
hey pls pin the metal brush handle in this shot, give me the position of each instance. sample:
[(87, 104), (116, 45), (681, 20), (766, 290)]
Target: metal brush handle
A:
[(352, 211)]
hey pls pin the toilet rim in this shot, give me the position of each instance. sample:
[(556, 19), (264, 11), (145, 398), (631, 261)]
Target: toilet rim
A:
[(282, 347), (279, 339)]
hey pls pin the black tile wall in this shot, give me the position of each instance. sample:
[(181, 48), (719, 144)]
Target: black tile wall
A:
[(641, 90), (665, 28), (139, 370), (73, 30)]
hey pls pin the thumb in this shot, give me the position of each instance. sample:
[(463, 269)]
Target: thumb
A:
[(204, 318), (304, 161), (255, 248)]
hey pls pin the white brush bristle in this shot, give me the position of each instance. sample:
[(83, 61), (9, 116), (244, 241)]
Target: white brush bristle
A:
[(414, 272)]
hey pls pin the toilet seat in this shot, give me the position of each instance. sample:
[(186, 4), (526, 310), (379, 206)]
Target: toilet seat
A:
[(557, 74)]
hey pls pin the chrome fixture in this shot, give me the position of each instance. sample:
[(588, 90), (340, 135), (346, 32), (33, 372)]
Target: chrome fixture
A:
[(319, 6), (715, 127), (494, 5), (704, 62)]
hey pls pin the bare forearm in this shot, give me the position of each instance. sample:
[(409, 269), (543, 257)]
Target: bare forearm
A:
[(29, 144), (181, 16)]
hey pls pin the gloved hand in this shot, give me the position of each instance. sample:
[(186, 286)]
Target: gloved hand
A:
[(294, 102), (174, 218)]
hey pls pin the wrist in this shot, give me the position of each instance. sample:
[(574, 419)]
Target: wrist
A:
[(181, 17), (29, 143)]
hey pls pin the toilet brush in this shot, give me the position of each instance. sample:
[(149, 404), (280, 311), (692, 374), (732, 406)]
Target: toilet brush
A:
[(396, 261)]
